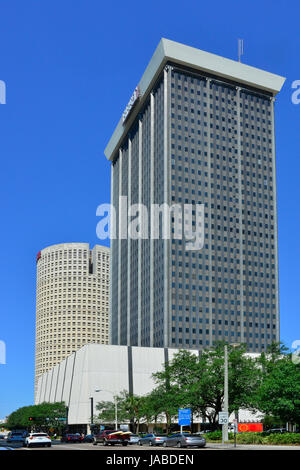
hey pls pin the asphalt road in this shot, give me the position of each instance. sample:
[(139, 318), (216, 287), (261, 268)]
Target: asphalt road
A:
[(57, 445)]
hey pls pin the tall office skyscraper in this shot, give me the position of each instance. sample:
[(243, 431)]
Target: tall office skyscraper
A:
[(199, 129), (72, 301)]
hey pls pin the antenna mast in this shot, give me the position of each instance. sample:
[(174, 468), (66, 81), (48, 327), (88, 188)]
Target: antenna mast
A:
[(240, 48)]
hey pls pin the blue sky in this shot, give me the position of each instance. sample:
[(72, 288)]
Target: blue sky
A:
[(70, 68)]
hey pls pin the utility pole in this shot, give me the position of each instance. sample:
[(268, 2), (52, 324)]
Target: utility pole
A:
[(116, 412), (225, 408)]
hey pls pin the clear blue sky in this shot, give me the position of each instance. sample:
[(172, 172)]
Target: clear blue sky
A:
[(70, 67)]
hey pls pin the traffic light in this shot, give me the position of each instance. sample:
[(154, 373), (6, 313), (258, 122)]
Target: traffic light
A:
[(31, 419)]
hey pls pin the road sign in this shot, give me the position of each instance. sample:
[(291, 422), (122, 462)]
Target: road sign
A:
[(223, 417), (184, 417), (235, 425)]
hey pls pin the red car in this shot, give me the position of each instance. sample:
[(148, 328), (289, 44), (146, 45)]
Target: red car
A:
[(112, 437), (72, 438)]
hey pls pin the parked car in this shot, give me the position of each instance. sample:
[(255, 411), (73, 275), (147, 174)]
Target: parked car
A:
[(184, 440), (133, 439), (72, 438), (88, 438), (16, 436), (276, 431), (38, 439), (152, 439), (112, 437)]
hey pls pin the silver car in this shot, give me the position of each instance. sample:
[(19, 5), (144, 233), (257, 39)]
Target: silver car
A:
[(153, 439), (185, 440), (134, 439)]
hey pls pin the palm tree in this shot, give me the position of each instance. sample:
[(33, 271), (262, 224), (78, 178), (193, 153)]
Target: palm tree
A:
[(133, 406)]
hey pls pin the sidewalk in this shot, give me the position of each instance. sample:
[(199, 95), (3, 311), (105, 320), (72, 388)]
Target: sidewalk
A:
[(213, 445)]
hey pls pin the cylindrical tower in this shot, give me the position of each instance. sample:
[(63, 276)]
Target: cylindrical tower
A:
[(72, 301)]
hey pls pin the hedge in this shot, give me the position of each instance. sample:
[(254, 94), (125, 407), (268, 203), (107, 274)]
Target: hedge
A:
[(257, 438)]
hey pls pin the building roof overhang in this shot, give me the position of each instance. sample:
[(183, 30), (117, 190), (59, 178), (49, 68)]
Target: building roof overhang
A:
[(170, 51)]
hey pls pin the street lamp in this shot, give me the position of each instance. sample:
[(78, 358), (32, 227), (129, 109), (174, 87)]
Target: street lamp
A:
[(116, 405), (225, 407)]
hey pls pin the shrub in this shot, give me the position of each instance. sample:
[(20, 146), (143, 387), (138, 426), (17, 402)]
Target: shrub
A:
[(213, 436), (250, 438), (258, 438), (286, 438), (273, 439)]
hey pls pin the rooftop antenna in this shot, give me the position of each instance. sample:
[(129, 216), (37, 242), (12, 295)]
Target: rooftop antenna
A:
[(240, 48)]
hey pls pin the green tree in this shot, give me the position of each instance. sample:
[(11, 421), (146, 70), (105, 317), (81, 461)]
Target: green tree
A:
[(134, 406), (176, 386), (163, 400), (43, 416), (267, 360), (198, 382), (243, 378), (107, 411), (279, 392), (129, 409)]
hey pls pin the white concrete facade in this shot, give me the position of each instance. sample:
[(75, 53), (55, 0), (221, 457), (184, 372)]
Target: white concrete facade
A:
[(110, 369)]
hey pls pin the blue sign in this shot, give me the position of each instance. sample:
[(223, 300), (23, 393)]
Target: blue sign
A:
[(184, 417)]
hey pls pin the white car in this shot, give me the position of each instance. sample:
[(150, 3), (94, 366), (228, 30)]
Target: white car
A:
[(38, 439)]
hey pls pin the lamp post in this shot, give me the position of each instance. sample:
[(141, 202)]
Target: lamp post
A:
[(225, 407), (116, 412), (225, 426), (116, 405)]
